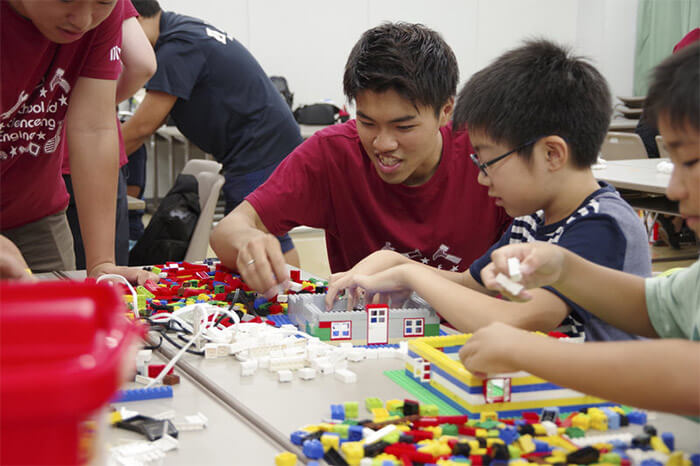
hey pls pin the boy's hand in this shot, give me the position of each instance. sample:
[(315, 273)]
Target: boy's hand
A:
[(385, 286), (12, 263), (261, 263), (541, 264), (490, 350), (135, 275), (376, 262)]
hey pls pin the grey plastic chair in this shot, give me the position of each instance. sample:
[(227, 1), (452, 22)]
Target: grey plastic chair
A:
[(621, 146), (210, 184)]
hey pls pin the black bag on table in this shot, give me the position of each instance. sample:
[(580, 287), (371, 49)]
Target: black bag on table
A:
[(317, 114), (168, 234)]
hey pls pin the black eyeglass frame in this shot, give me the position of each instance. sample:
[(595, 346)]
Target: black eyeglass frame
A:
[(483, 166)]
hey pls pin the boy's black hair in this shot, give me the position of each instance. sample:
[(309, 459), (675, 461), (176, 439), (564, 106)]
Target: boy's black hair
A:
[(146, 8), (675, 89), (536, 90), (409, 58)]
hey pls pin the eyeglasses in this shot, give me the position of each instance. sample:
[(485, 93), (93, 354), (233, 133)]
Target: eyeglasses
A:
[(482, 166)]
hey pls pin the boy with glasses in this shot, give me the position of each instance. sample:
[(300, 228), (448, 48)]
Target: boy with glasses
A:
[(665, 308), (537, 118)]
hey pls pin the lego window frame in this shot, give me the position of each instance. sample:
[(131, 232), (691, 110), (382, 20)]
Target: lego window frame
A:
[(338, 322)]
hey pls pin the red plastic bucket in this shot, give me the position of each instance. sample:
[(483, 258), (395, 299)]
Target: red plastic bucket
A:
[(63, 353)]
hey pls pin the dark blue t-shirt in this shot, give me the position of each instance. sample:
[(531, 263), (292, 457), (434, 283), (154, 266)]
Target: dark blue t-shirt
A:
[(604, 230), (226, 103)]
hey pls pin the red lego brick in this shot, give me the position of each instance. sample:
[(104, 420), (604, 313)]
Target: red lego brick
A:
[(295, 275), (531, 417), (419, 435), (154, 370)]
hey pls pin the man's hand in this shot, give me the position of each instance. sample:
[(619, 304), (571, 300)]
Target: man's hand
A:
[(261, 263)]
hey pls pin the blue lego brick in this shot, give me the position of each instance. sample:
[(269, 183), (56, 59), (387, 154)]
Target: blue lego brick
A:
[(650, 462), (508, 435), (140, 394), (280, 320), (442, 333), (637, 417), (393, 345), (313, 449), (669, 440), (613, 418), (297, 437), (354, 433), (338, 412), (541, 446), (695, 459)]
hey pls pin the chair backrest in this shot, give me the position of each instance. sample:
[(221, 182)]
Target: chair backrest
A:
[(620, 146), (209, 188), (195, 166), (663, 152)]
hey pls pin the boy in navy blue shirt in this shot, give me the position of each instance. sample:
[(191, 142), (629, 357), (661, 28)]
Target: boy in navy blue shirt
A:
[(220, 99), (537, 118)]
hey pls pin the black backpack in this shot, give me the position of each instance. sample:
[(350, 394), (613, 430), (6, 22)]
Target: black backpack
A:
[(168, 234), (280, 83)]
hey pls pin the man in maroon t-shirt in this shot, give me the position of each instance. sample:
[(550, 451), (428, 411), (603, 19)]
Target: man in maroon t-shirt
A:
[(59, 64), (397, 178)]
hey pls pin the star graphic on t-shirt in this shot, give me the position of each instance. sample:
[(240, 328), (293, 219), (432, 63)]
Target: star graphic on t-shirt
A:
[(13, 151), (43, 92), (63, 100), (41, 135), (424, 260), (439, 266), (454, 269)]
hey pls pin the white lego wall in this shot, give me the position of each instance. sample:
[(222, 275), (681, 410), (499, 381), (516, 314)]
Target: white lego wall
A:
[(308, 41)]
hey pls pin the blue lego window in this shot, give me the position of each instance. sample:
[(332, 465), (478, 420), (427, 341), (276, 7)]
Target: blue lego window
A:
[(413, 327), (341, 330), (373, 320)]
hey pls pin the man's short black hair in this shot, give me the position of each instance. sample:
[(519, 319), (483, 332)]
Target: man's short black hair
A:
[(146, 8), (538, 89), (675, 89), (411, 59)]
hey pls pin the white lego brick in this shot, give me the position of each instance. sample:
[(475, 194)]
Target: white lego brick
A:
[(366, 462), (142, 379), (285, 375), (144, 356), (325, 368), (249, 367), (550, 427), (198, 419), (223, 350), (510, 286), (376, 436), (242, 355), (295, 287), (211, 351), (307, 373), (263, 362), (403, 347), (282, 298), (346, 376), (514, 269), (356, 356), (169, 414)]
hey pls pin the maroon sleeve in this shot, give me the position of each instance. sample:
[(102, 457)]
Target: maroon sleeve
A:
[(103, 56), (129, 10), (296, 192)]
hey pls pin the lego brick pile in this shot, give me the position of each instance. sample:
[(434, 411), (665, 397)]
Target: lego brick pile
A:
[(406, 432), (184, 283)]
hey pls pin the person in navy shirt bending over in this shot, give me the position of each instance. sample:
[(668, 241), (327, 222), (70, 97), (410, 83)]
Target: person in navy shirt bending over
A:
[(220, 99)]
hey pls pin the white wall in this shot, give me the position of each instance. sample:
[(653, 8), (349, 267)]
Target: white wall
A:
[(308, 41)]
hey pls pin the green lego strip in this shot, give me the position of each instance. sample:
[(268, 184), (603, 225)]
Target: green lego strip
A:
[(432, 330), (421, 394)]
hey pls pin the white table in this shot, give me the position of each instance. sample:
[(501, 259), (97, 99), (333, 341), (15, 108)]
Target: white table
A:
[(308, 130), (634, 174)]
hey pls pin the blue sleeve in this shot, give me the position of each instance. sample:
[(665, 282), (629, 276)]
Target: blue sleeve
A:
[(599, 239), (180, 64), (483, 261)]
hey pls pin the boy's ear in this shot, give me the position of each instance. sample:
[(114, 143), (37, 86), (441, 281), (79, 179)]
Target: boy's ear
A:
[(446, 110), (556, 152)]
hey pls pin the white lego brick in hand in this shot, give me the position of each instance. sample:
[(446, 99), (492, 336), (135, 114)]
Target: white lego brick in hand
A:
[(509, 285), (346, 376), (514, 269)]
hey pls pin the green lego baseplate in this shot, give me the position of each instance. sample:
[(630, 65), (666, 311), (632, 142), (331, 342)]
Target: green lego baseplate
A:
[(422, 395)]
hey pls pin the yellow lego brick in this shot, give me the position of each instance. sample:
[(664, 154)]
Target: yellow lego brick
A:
[(329, 441), (518, 463), (478, 451), (617, 409), (203, 297), (380, 414), (394, 405), (603, 446), (678, 458), (326, 427), (114, 417), (434, 447), (659, 445), (311, 428), (481, 433), (353, 450), (382, 457), (402, 427), (539, 429), (558, 441), (493, 441), (473, 444), (436, 430), (286, 458), (526, 444), (582, 421), (488, 416)]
